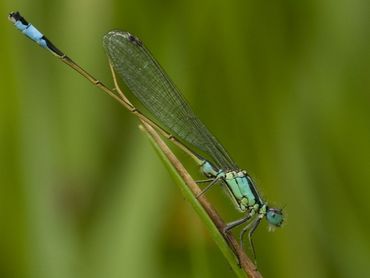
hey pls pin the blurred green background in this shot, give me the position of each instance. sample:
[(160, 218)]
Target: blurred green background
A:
[(285, 87)]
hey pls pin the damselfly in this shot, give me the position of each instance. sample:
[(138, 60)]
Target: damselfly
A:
[(174, 119)]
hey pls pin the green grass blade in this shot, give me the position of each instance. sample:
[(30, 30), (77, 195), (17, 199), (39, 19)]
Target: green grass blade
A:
[(230, 248)]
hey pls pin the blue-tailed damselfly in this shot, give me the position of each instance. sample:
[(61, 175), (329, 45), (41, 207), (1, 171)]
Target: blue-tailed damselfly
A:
[(173, 118)]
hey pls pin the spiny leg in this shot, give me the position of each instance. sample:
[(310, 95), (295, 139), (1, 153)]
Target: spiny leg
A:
[(238, 222), (234, 224), (205, 181), (254, 225), (212, 183)]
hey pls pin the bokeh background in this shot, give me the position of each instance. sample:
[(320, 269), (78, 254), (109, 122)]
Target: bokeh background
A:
[(285, 87)]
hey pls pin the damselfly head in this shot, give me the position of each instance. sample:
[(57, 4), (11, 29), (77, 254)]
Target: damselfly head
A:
[(275, 216)]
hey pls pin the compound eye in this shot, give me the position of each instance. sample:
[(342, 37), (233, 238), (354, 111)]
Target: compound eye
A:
[(275, 217)]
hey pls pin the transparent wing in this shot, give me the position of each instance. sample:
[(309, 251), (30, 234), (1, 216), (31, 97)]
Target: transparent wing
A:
[(158, 94)]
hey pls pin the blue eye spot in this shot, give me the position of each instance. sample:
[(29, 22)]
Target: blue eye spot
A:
[(275, 217)]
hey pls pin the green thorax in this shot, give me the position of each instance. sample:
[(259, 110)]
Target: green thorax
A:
[(243, 191)]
